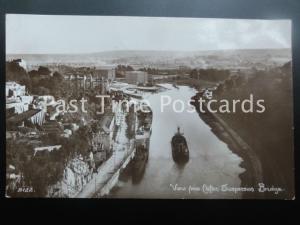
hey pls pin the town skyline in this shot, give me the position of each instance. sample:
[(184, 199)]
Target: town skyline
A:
[(149, 50)]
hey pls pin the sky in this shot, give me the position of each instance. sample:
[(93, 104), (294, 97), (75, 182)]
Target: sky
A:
[(46, 34)]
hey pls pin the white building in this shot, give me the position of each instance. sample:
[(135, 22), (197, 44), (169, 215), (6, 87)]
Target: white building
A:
[(136, 77), (13, 89), (22, 63), (16, 99), (37, 118), (19, 104)]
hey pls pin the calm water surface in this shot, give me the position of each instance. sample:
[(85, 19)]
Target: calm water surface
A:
[(211, 161)]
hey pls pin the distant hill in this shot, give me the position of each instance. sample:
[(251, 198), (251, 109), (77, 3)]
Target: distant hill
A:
[(195, 59)]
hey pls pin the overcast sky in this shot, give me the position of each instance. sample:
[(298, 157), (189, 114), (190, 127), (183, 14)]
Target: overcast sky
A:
[(86, 34)]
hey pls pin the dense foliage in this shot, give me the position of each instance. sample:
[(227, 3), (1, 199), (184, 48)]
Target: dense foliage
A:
[(210, 74), (270, 133)]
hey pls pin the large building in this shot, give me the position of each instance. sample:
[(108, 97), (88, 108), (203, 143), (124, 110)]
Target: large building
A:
[(18, 105), (13, 89), (16, 99), (85, 78), (21, 107), (106, 73), (136, 77), (34, 116)]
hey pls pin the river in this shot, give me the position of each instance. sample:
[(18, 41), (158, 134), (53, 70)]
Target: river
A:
[(211, 162)]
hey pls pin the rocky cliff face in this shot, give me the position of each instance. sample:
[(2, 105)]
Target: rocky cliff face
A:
[(76, 174)]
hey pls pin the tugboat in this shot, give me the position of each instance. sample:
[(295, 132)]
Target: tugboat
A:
[(180, 150)]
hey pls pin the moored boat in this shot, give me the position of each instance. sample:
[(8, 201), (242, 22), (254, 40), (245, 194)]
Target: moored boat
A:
[(139, 163)]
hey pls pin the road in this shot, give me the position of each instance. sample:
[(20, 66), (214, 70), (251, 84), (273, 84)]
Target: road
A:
[(122, 148)]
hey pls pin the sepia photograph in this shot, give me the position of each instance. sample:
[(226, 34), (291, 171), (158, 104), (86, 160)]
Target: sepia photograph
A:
[(148, 107)]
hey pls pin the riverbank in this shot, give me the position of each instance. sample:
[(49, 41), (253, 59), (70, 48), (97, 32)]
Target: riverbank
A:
[(253, 174), (107, 173)]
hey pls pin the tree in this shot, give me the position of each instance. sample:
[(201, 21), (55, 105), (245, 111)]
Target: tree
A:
[(14, 72), (58, 76), (42, 70), (41, 91), (33, 74)]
